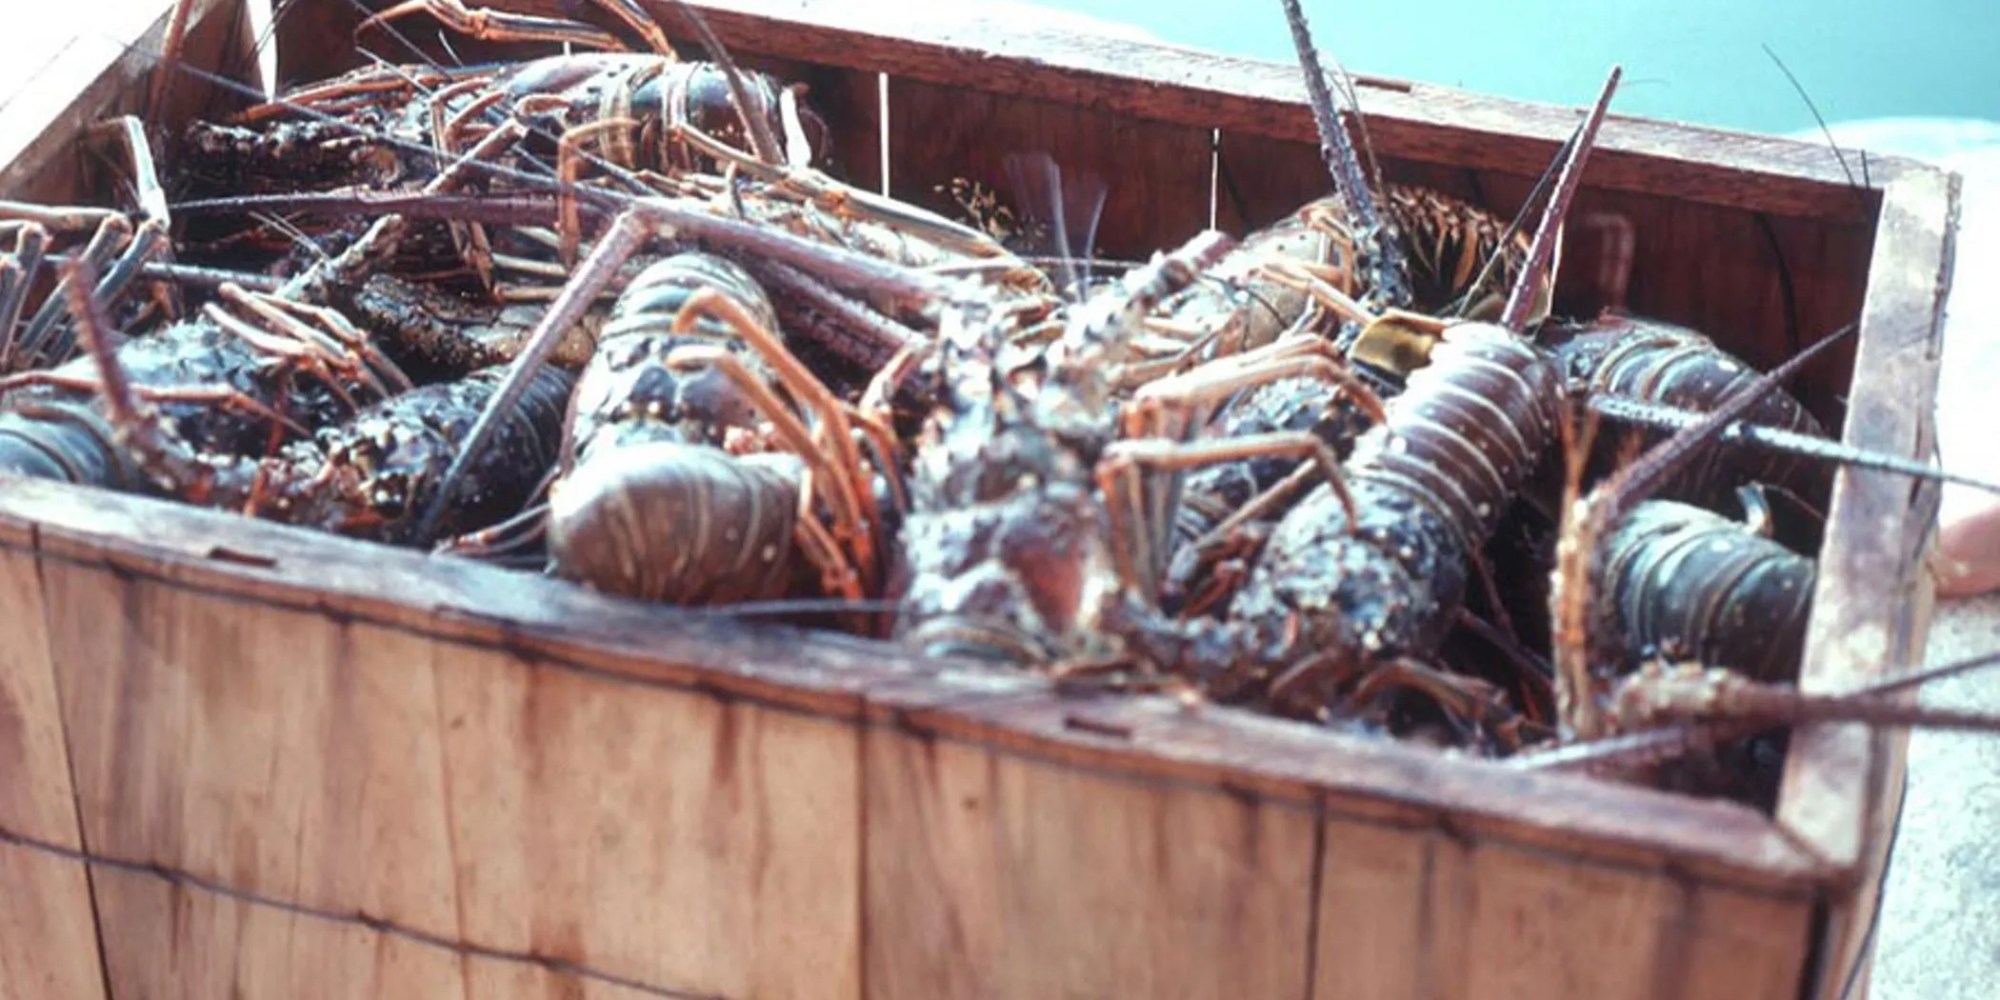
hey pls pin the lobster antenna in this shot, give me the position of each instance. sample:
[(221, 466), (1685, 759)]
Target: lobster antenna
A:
[(1823, 128), (1336, 147), (1535, 195), (763, 142), (1543, 246), (1776, 439), (1858, 703), (389, 28), (170, 53), (93, 328), (1353, 98), (1651, 469)]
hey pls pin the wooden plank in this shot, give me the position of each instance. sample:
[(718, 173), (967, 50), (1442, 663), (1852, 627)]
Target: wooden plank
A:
[(1854, 634), (187, 941), (1392, 915), (1155, 739), (463, 793), (311, 776), (703, 844), (264, 564), (937, 133), (1763, 286), (1260, 180), (1431, 913), (48, 937), (1203, 89), (994, 875), (1839, 778)]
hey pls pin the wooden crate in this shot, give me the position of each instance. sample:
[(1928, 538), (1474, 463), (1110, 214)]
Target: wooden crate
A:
[(304, 766)]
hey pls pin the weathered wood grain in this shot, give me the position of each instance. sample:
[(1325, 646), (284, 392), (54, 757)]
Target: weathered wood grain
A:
[(48, 939), (1840, 780), (993, 874)]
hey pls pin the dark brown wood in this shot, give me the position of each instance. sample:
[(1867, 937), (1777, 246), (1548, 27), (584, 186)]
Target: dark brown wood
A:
[(1155, 176), (1203, 89)]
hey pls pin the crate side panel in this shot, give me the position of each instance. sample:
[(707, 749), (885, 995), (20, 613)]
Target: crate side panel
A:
[(1541, 923), (48, 939), (1836, 774), (280, 752), (1260, 180), (1738, 944), (1762, 285), (703, 844), (178, 941), (1393, 913), (461, 792), (994, 875), (184, 941), (36, 799), (48, 933), (1154, 177)]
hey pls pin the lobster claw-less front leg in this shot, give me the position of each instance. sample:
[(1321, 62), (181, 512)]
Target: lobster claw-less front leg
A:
[(489, 25), (1479, 710)]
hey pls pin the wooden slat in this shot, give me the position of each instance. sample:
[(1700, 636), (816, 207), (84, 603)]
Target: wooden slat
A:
[(48, 940), (1432, 914), (1191, 87), (991, 875), (194, 943), (1436, 915), (702, 844), (1206, 90), (1393, 918), (463, 793), (1840, 779), (261, 564), (937, 133), (1855, 635)]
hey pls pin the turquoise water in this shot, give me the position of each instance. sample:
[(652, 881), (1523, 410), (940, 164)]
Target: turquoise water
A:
[(1690, 60)]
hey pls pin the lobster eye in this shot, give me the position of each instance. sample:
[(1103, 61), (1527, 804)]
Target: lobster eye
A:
[(390, 495)]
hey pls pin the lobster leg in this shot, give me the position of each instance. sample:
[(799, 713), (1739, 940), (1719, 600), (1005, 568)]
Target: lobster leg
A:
[(367, 85), (17, 276), (824, 192), (333, 335), (1137, 553), (306, 355), (840, 462), (1466, 699), (467, 238), (570, 160), (490, 25), (34, 348), (1167, 410)]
